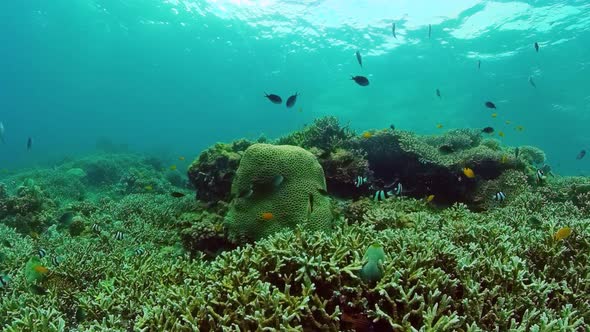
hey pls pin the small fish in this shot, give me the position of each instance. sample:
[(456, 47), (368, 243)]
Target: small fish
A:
[(1, 132), (266, 216), (246, 193), (392, 126), (519, 128), (29, 144), (540, 176), (118, 236), (359, 58), (532, 82), (367, 134), (581, 155), (562, 233), (41, 253), (56, 260), (262, 186), (4, 280), (469, 173), (488, 130), (96, 228), (360, 80), (181, 158), (292, 100), (148, 188), (360, 180), (504, 159), (478, 64), (489, 104), (429, 30), (381, 195), (393, 30), (501, 133), (536, 47), (139, 251), (177, 194), (34, 235), (172, 167), (273, 98), (494, 115), (446, 149), (439, 126), (516, 153), (429, 198), (507, 122), (438, 93), (499, 196), (41, 269)]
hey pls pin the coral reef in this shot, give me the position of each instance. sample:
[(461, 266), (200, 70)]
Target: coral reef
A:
[(299, 198)]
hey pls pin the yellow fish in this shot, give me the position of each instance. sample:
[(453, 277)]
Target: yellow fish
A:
[(173, 167), (501, 133), (468, 172), (494, 115), (148, 188), (504, 159), (429, 198), (41, 269), (439, 126), (34, 235), (181, 158), (562, 233), (519, 128), (508, 122), (367, 134)]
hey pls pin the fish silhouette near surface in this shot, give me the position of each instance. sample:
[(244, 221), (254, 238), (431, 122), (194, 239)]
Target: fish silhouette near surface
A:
[(360, 80), (292, 100), (359, 58), (275, 99)]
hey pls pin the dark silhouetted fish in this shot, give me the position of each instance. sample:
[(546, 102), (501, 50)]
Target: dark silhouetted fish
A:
[(392, 126), (29, 143), (273, 98), (488, 130), (429, 30), (438, 93), (359, 58), (581, 154), (489, 104), (177, 194), (361, 80), (536, 46), (478, 64), (292, 100), (532, 82), (393, 30), (516, 153)]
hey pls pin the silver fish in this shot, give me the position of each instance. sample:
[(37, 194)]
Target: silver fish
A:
[(393, 30)]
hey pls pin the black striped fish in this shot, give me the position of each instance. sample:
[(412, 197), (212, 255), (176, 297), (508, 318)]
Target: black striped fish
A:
[(41, 252), (139, 251), (119, 235), (360, 180), (95, 228), (499, 196), (56, 260), (540, 175), (381, 195)]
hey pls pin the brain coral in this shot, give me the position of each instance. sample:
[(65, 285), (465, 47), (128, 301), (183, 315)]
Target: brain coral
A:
[(288, 204)]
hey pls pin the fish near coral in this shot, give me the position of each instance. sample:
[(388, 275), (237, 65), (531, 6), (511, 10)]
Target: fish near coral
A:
[(173, 167), (562, 233), (439, 126), (367, 135), (266, 216), (372, 270), (468, 172), (34, 270), (429, 198)]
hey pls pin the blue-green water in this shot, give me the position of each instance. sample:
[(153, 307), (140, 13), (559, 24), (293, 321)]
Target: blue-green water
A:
[(176, 76)]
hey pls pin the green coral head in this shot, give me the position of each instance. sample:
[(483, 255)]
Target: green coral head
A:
[(375, 252), (372, 271)]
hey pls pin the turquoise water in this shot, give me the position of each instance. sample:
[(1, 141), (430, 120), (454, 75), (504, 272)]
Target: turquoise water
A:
[(173, 77)]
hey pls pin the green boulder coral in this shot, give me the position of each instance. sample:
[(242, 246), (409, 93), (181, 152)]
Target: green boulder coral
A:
[(299, 199)]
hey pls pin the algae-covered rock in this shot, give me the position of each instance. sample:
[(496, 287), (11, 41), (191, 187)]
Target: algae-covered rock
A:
[(299, 198)]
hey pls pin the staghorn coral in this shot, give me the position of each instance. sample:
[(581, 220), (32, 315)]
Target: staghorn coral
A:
[(325, 134), (298, 200), (203, 232)]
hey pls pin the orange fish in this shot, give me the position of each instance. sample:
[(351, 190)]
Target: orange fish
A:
[(439, 126), (468, 172), (41, 269), (501, 133), (562, 233), (429, 198), (266, 216), (367, 134)]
